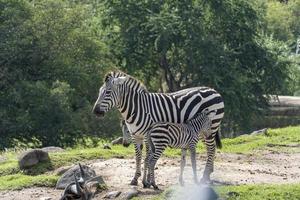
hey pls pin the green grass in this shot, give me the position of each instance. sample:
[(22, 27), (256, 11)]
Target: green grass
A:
[(19, 181), (265, 192), (274, 140), (244, 192)]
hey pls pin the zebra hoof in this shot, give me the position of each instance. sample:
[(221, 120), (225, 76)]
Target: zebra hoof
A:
[(133, 182), (205, 181), (146, 185), (181, 182), (155, 187)]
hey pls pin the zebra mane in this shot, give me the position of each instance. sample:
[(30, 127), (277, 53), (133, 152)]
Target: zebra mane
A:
[(118, 73)]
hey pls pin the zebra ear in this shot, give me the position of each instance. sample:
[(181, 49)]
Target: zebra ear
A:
[(119, 80)]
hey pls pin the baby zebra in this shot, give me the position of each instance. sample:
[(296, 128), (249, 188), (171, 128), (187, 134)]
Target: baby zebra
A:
[(184, 136)]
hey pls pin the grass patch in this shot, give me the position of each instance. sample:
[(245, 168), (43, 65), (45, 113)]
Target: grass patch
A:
[(68, 157), (249, 143), (19, 181), (266, 192), (241, 192)]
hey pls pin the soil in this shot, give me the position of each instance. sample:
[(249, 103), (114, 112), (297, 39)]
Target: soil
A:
[(230, 169)]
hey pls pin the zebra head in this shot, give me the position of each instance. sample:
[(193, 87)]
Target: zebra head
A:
[(109, 93)]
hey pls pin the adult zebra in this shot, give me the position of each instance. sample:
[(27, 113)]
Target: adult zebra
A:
[(141, 109)]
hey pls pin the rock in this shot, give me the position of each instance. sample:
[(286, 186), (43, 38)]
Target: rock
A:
[(2, 159), (61, 170), (32, 157), (46, 198), (119, 140), (131, 193), (52, 149), (112, 195), (97, 179), (68, 176), (106, 146), (262, 131)]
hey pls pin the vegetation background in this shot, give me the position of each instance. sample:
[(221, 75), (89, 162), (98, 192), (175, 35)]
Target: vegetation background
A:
[(54, 54)]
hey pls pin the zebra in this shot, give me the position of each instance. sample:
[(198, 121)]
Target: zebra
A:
[(141, 109), (184, 136)]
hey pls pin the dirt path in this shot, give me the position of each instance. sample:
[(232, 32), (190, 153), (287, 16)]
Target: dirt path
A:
[(269, 167)]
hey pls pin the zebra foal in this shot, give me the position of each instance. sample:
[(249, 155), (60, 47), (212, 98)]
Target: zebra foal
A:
[(184, 136)]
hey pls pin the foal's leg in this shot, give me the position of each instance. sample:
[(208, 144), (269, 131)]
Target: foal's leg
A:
[(182, 165), (146, 176), (138, 145), (211, 150), (193, 161), (153, 157)]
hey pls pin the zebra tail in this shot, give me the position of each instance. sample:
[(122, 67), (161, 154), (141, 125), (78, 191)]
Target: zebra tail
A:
[(218, 140)]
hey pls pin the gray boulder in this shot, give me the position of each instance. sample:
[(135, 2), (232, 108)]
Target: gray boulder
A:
[(61, 170), (68, 177), (130, 193), (32, 157), (119, 140), (52, 149), (112, 195)]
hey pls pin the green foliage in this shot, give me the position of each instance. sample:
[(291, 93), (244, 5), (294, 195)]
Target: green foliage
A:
[(191, 43), (19, 181), (282, 20), (51, 62), (53, 54)]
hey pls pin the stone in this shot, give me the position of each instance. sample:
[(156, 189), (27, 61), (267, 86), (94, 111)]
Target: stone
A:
[(53, 149), (68, 177), (106, 146), (61, 170), (46, 198), (131, 193), (258, 132), (112, 195), (97, 179), (119, 140), (2, 159), (32, 157)]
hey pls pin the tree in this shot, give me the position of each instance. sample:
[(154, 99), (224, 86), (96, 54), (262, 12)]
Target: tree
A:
[(191, 43), (51, 60)]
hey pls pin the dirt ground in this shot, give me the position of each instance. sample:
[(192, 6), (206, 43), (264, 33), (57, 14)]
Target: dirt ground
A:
[(231, 169)]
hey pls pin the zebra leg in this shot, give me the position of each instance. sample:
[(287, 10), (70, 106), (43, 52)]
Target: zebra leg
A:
[(152, 163), (211, 150), (138, 145), (182, 165), (146, 167), (153, 157), (194, 165)]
